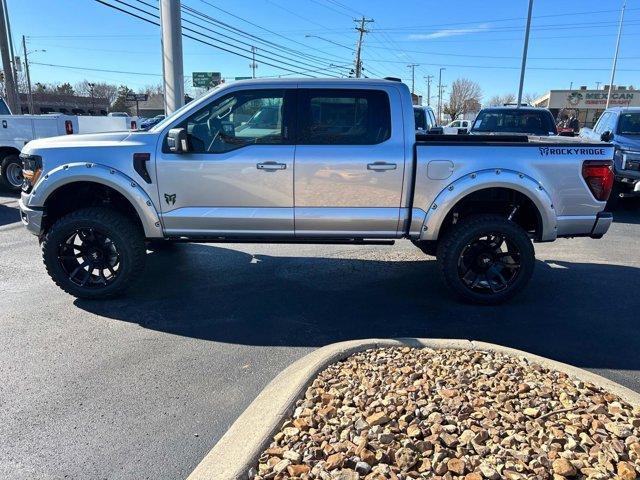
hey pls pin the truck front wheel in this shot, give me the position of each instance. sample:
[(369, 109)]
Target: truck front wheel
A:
[(486, 259), (94, 253), (11, 173)]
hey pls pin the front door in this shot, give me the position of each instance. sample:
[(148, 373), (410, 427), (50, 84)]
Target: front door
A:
[(349, 163), (237, 177)]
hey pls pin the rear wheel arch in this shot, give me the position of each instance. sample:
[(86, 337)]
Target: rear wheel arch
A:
[(485, 193)]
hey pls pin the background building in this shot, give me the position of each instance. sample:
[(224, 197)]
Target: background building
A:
[(587, 104), (44, 102)]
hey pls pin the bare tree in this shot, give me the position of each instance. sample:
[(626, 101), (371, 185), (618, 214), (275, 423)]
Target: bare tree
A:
[(157, 89), (465, 97), (530, 97), (100, 90), (499, 100)]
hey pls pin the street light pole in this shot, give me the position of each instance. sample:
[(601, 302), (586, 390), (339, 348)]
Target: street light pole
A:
[(524, 54), (440, 94), (413, 66), (171, 27), (28, 75), (615, 56)]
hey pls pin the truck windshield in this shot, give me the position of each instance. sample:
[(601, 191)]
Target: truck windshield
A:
[(529, 122), (629, 124)]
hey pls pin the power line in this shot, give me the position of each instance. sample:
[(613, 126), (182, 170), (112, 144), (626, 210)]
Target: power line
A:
[(206, 18), (71, 67), (216, 45)]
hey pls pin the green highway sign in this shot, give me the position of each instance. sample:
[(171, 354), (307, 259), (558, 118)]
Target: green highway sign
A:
[(243, 78), (206, 79)]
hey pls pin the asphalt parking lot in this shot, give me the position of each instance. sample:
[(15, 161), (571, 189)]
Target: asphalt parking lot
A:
[(143, 386)]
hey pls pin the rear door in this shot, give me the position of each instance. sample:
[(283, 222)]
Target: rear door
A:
[(349, 162)]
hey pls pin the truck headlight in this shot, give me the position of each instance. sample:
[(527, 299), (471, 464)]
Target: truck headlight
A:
[(31, 170)]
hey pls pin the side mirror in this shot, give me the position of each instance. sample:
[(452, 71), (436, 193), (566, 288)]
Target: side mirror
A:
[(177, 141), (436, 131), (606, 136)]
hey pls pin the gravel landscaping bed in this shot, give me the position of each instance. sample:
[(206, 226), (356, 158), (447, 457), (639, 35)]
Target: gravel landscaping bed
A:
[(398, 413)]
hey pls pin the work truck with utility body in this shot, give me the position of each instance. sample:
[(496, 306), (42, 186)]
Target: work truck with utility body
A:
[(330, 161)]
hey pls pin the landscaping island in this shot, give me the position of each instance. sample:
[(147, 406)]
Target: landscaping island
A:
[(401, 412)]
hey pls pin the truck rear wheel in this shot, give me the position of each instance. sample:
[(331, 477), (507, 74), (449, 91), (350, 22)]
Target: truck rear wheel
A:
[(94, 253), (11, 172), (486, 259)]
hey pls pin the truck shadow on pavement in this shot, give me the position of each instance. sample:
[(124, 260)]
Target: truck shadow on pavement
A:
[(573, 312), (9, 214)]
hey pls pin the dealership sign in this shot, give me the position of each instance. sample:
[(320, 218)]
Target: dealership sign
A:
[(596, 99)]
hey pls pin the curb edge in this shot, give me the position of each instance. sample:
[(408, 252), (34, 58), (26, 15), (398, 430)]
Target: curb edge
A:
[(238, 449)]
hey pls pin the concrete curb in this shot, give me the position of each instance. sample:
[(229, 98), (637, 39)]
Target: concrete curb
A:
[(239, 448)]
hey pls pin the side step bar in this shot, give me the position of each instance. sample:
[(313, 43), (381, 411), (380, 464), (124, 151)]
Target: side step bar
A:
[(306, 241)]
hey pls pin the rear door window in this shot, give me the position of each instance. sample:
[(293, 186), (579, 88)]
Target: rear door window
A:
[(343, 117)]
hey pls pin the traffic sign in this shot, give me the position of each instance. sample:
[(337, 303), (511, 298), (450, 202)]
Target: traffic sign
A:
[(206, 79), (137, 97)]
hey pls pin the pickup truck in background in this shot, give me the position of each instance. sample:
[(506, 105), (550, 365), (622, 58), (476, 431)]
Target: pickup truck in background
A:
[(17, 130), (513, 120), (620, 127), (457, 127), (475, 202), (424, 118)]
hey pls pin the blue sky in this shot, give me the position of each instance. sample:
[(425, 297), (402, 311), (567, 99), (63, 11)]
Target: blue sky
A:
[(571, 41)]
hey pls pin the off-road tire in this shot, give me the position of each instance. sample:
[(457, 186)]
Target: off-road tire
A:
[(8, 162), (122, 231), (456, 239)]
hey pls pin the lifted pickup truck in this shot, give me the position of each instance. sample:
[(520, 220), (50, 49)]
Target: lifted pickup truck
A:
[(339, 164)]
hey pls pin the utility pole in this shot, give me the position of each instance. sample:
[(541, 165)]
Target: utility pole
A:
[(12, 52), (524, 54), (598, 85), (615, 56), (413, 66), (172, 66), (28, 75), (253, 65), (440, 94), (9, 82), (362, 29), (428, 79)]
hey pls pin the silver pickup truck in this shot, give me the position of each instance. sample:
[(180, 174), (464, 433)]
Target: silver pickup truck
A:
[(309, 161)]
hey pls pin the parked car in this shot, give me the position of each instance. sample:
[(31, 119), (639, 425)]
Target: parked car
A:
[(424, 118), (147, 123), (476, 203), (457, 127), (514, 120), (621, 127)]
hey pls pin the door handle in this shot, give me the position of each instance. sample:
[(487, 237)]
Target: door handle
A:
[(381, 166), (271, 166)]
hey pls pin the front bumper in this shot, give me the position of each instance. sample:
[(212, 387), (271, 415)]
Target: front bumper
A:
[(31, 218), (603, 222)]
